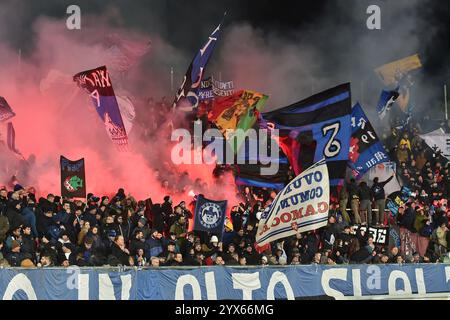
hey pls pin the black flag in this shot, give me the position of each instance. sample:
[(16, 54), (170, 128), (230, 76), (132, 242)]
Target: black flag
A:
[(210, 215), (73, 181)]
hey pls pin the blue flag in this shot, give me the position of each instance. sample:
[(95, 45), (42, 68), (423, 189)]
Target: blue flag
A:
[(397, 199), (210, 215), (187, 95), (387, 98), (314, 128), (366, 149)]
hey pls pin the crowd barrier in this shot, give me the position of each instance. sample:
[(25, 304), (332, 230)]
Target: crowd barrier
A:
[(231, 283)]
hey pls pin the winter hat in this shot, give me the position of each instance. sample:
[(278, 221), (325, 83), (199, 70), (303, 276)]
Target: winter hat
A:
[(229, 224), (27, 263), (18, 187), (112, 233), (142, 220), (214, 239)]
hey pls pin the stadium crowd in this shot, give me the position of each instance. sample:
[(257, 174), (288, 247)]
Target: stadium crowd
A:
[(120, 230)]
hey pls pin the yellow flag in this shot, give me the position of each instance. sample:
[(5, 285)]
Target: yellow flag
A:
[(390, 73), (229, 118)]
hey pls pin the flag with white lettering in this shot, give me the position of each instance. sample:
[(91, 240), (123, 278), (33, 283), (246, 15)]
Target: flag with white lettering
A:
[(301, 206), (186, 98), (398, 199), (366, 149), (380, 234), (211, 88), (97, 83)]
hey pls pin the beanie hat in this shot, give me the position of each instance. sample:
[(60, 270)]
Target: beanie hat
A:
[(27, 263), (214, 239), (229, 224), (18, 187)]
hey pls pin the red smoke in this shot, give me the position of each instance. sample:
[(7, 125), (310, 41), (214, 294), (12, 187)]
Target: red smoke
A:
[(54, 117)]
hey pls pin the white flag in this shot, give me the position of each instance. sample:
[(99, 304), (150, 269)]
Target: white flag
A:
[(438, 139), (301, 206)]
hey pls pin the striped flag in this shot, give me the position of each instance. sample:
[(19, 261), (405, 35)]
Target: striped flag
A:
[(315, 128)]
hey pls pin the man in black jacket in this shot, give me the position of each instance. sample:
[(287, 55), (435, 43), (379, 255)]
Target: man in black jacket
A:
[(365, 198), (28, 244), (119, 251), (380, 197), (13, 214)]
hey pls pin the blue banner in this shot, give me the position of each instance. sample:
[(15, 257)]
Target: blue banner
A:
[(397, 199), (366, 149), (219, 283)]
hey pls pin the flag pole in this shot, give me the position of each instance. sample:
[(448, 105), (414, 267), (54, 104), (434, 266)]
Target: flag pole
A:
[(445, 102), (19, 60), (362, 92), (171, 79)]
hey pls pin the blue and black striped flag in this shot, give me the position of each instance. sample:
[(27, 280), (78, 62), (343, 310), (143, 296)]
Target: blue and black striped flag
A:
[(315, 128)]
